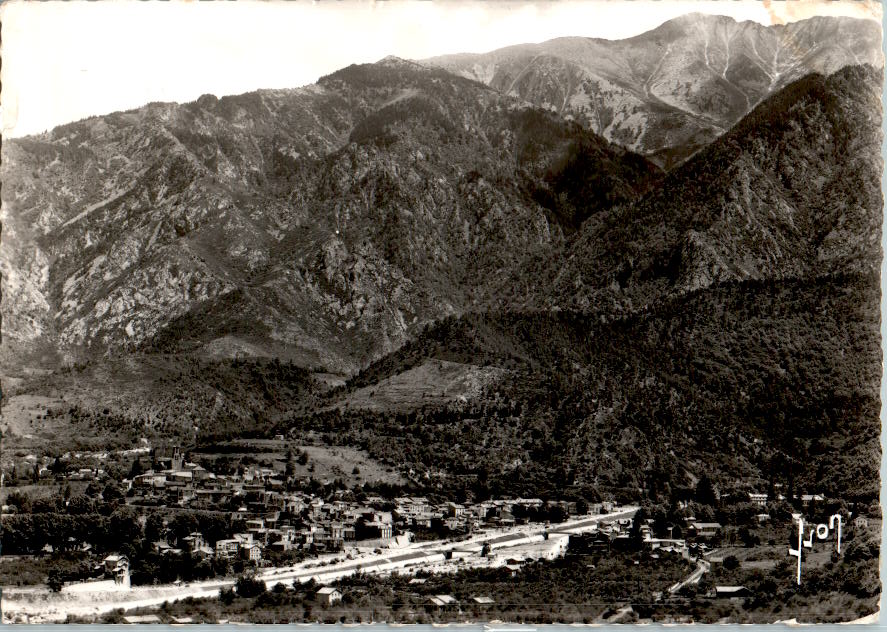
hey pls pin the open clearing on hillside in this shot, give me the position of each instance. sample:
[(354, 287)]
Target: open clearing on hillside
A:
[(26, 425), (325, 463), (25, 415), (39, 425), (433, 383)]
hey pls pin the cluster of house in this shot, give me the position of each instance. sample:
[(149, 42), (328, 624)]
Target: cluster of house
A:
[(259, 490), (191, 485), (615, 535), (448, 603), (318, 525), (762, 499), (259, 496), (418, 512), (325, 527), (85, 474)]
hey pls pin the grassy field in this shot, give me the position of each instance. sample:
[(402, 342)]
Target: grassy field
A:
[(29, 421), (43, 490), (325, 463), (767, 556)]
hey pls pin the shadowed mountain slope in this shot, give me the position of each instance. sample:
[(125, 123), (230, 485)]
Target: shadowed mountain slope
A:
[(792, 191)]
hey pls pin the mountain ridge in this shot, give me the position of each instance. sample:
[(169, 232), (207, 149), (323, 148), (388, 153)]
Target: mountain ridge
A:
[(332, 218), (791, 191), (682, 76)]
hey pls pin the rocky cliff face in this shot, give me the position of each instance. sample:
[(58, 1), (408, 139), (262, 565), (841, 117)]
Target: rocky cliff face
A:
[(672, 90), (321, 224), (726, 323)]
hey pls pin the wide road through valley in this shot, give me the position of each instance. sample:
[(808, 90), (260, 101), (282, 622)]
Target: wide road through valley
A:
[(36, 606)]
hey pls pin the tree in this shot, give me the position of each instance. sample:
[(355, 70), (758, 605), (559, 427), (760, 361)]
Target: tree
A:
[(153, 527), (634, 533), (705, 493), (748, 538), (112, 493), (122, 529), (80, 504), (249, 586), (226, 596), (57, 468), (21, 501), (136, 468), (44, 505), (183, 524), (556, 513), (55, 579)]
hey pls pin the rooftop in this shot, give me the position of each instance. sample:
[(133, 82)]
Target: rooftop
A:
[(327, 590)]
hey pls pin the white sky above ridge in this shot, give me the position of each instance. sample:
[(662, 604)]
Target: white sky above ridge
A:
[(65, 61)]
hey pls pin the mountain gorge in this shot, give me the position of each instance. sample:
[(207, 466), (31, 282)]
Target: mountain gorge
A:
[(579, 255)]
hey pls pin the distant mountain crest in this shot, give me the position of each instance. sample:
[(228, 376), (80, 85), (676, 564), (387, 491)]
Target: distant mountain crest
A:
[(669, 91), (792, 191)]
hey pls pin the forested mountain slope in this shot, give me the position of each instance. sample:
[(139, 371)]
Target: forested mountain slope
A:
[(760, 381), (793, 191)]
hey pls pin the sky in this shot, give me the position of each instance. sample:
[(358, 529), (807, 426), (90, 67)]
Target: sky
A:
[(65, 61)]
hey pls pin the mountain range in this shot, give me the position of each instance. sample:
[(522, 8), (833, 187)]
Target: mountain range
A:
[(321, 224), (652, 250)]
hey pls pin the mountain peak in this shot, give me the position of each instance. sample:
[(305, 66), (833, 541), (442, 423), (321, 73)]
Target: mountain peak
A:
[(394, 60), (697, 16), (399, 63)]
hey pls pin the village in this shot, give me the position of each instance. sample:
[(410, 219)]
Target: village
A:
[(274, 528), (279, 521)]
